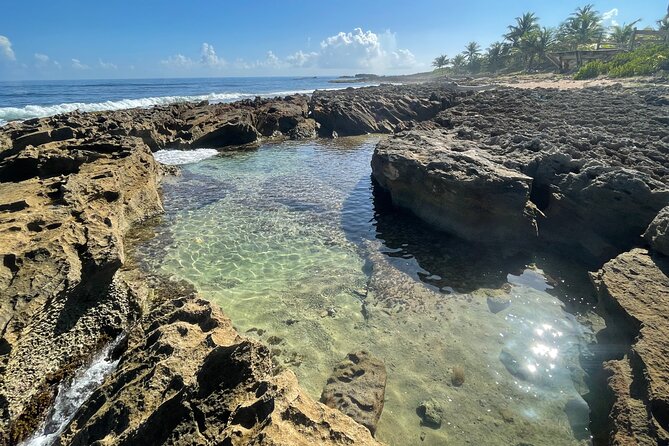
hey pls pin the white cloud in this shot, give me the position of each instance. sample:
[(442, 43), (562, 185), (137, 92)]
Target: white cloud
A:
[(6, 50), (77, 65), (301, 59), (107, 65), (43, 61), (356, 49), (608, 18), (41, 58), (178, 61), (208, 56)]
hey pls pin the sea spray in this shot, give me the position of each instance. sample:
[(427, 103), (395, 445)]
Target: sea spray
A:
[(73, 393)]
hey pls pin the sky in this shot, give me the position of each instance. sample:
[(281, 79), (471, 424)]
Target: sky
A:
[(76, 39)]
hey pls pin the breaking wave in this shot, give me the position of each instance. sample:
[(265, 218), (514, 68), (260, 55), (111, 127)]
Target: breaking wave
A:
[(177, 157), (40, 111)]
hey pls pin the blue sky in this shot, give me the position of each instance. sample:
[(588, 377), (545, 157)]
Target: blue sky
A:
[(70, 39)]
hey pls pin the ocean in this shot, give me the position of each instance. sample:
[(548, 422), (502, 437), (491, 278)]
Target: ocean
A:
[(32, 99)]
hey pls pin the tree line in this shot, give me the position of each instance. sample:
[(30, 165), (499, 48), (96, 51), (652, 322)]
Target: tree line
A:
[(526, 43)]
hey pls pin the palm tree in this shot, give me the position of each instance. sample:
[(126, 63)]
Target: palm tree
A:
[(472, 52), (621, 34), (525, 24), (583, 26), (663, 25), (496, 54), (440, 61), (458, 62)]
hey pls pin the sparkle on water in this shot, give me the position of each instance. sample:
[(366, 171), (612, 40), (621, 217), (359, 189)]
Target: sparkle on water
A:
[(293, 242)]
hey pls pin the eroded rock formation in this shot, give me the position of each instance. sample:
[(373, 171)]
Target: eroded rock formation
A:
[(594, 178), (71, 186), (188, 378), (633, 289)]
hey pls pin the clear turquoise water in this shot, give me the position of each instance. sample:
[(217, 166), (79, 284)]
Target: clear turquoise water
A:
[(295, 245)]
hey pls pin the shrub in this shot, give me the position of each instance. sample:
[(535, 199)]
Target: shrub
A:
[(644, 61), (591, 69)]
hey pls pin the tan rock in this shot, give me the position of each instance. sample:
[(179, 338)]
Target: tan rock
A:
[(635, 288), (357, 387)]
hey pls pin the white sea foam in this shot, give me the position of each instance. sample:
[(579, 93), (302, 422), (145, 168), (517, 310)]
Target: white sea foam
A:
[(72, 394), (176, 157), (40, 111)]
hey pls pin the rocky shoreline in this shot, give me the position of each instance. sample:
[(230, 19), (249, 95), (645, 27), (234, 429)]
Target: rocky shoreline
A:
[(583, 171)]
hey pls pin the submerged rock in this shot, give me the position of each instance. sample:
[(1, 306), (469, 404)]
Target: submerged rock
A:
[(357, 387), (497, 304), (431, 413)]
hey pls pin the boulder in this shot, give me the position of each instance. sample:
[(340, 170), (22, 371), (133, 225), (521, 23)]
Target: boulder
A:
[(357, 387), (431, 413), (657, 233), (456, 187), (633, 291)]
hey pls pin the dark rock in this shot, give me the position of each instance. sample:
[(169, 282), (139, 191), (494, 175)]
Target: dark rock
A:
[(455, 187), (431, 413)]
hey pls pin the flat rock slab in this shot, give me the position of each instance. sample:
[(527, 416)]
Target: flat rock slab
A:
[(357, 388)]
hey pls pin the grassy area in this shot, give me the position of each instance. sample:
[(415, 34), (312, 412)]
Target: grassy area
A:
[(643, 61)]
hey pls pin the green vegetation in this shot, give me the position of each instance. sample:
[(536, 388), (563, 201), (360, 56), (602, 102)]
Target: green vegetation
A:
[(643, 61), (526, 44)]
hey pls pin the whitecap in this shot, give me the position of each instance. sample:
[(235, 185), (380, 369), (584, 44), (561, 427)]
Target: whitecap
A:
[(40, 111), (177, 157)]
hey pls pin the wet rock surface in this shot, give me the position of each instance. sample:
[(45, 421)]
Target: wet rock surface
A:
[(357, 388)]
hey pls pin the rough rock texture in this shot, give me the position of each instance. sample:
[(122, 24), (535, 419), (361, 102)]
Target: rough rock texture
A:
[(357, 387), (452, 185), (598, 174), (383, 109), (657, 234), (71, 186), (634, 289), (62, 223), (188, 378)]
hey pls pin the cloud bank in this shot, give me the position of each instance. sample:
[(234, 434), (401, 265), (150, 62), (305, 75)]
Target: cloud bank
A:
[(357, 49)]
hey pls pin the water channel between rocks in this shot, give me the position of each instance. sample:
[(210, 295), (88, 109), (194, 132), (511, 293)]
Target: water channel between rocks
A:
[(300, 251)]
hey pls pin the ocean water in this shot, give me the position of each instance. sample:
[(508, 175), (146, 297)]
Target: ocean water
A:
[(31, 99), (297, 246)]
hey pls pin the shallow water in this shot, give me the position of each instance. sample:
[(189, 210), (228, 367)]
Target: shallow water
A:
[(295, 245)]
